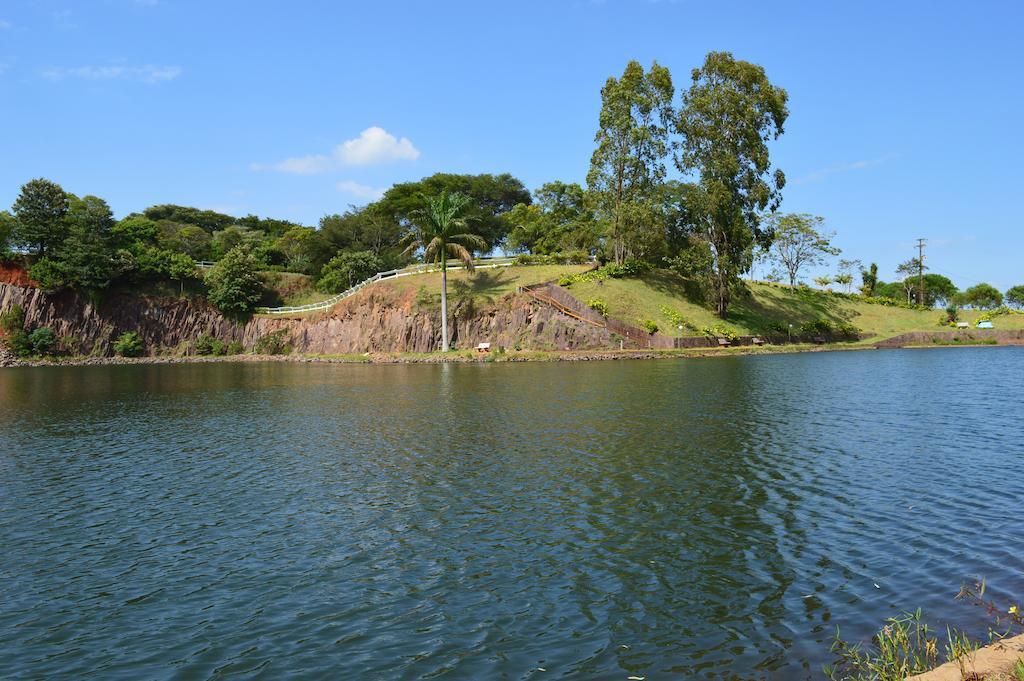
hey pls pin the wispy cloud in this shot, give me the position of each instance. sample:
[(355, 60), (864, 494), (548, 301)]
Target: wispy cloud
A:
[(148, 73), (374, 146), (4, 24), (819, 175), (299, 165), (360, 191)]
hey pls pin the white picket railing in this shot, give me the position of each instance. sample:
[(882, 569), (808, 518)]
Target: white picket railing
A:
[(480, 264)]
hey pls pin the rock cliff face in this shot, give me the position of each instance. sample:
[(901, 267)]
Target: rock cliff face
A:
[(375, 320)]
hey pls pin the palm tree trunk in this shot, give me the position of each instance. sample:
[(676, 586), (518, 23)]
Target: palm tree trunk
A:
[(444, 302)]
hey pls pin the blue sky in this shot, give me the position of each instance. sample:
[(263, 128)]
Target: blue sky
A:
[(905, 116)]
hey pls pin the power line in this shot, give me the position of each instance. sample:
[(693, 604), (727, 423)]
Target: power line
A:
[(920, 271)]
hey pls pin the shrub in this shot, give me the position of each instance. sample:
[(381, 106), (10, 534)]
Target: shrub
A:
[(18, 343), (274, 343), (234, 283), (630, 268), (847, 330), (69, 344), (677, 319), (719, 331), (208, 345), (598, 306), (234, 348), (42, 341), (129, 344), (13, 320), (819, 327), (649, 325), (204, 344)]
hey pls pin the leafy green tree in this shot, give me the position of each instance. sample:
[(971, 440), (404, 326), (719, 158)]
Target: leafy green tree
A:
[(134, 230), (231, 237), (39, 212), (800, 241), (1015, 296), (491, 198), (345, 270), (560, 219), (191, 240), (440, 228), (370, 228), (908, 271), (823, 281), (730, 112), (628, 166), (207, 220), (298, 246), (869, 280), (7, 226), (981, 296), (938, 290), (85, 260), (233, 284)]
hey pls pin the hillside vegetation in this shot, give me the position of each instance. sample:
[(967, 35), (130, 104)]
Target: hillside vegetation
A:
[(767, 305), (654, 294)]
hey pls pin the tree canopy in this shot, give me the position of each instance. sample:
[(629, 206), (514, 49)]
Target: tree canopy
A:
[(628, 165), (490, 198), (39, 214), (981, 296), (730, 113), (799, 241)]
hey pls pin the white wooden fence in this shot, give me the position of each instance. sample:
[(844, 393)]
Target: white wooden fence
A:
[(480, 264)]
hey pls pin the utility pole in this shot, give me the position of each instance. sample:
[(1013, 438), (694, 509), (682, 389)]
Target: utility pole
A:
[(920, 271)]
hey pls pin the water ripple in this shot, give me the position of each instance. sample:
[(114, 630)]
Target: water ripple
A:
[(703, 519)]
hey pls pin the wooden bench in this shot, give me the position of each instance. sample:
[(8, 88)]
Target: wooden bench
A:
[(818, 340), (757, 341), (483, 347), (723, 342)]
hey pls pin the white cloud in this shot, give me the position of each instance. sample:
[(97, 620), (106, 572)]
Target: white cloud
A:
[(4, 24), (376, 145), (148, 73), (361, 191), (299, 165), (821, 174)]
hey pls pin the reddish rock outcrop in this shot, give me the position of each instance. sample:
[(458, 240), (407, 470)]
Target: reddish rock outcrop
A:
[(376, 320)]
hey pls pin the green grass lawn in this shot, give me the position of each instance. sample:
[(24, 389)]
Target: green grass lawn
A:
[(484, 285), (633, 300)]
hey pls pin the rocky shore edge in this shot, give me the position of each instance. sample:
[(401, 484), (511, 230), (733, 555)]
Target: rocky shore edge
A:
[(455, 357)]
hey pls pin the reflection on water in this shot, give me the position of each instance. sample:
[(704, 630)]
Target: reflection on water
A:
[(692, 518)]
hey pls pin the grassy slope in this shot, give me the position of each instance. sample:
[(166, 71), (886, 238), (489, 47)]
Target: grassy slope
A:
[(485, 285), (632, 300)]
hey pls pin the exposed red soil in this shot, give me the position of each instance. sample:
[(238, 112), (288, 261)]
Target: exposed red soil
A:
[(15, 275)]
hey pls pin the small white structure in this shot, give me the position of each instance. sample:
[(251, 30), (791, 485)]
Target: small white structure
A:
[(963, 325), (483, 347), (985, 324)]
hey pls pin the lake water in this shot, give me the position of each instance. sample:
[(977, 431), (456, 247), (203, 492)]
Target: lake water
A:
[(667, 519)]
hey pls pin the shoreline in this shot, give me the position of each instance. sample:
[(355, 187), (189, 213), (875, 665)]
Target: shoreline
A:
[(453, 357), (472, 357)]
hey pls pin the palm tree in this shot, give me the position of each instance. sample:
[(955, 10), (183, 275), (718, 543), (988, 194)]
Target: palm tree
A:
[(439, 228)]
